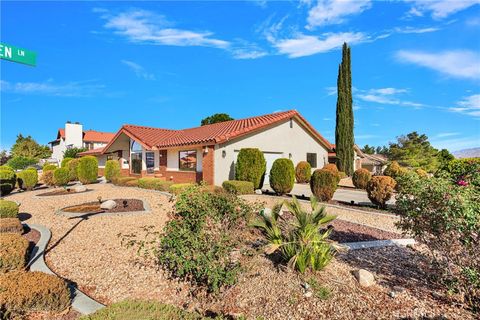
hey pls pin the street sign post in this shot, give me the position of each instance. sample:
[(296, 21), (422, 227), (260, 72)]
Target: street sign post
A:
[(19, 55)]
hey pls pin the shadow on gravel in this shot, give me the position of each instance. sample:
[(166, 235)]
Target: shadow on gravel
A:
[(24, 216)]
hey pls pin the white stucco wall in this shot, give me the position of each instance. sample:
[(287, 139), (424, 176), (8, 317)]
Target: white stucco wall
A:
[(102, 160), (280, 139), (74, 135), (58, 150), (172, 158)]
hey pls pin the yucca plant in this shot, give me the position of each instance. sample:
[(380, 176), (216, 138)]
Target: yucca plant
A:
[(303, 240)]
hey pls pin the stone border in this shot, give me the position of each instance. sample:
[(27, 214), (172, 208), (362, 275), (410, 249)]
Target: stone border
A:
[(146, 207), (80, 301), (378, 243)]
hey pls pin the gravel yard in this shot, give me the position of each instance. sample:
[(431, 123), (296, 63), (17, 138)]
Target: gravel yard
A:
[(89, 252)]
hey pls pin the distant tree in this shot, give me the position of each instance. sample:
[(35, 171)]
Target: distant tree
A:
[(414, 150), (381, 150), (215, 118), (444, 156), (72, 152), (368, 150), (344, 139), (27, 147), (4, 157)]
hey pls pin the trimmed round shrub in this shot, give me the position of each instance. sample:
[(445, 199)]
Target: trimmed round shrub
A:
[(251, 166), (282, 176), (65, 162), (13, 253), (380, 190), (73, 168), (112, 170), (323, 184), (49, 166), (360, 178), (61, 176), (8, 179), (27, 179), (421, 173), (8, 209), (154, 184), (12, 225), (303, 172), (238, 187), (178, 188), (394, 170), (88, 169), (47, 177), (22, 292), (333, 168)]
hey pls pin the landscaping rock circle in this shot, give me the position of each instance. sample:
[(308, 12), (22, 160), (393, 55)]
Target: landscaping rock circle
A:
[(108, 205), (365, 278)]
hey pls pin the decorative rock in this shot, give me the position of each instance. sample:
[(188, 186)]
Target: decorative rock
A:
[(392, 294), (79, 188), (258, 191), (108, 205), (305, 286), (308, 294), (365, 278)]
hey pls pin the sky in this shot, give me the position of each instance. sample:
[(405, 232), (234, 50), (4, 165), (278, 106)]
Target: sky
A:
[(415, 65)]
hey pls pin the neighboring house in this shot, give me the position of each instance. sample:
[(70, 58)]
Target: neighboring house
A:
[(375, 163), (358, 156), (73, 136), (209, 152)]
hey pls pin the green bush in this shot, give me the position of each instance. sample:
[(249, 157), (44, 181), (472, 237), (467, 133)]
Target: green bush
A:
[(61, 176), (20, 163), (333, 168), (12, 225), (88, 169), (8, 209), (282, 176), (131, 183), (324, 184), (360, 178), (303, 242), (394, 170), (112, 170), (47, 177), (421, 173), (238, 187), (27, 179), (178, 188), (48, 166), (462, 171), (65, 162), (154, 184), (13, 252), (73, 169), (23, 292), (251, 166), (445, 217), (72, 152), (142, 310), (121, 181), (303, 172), (8, 179), (380, 190)]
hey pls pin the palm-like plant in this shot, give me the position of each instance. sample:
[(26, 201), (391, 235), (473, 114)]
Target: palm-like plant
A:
[(301, 240)]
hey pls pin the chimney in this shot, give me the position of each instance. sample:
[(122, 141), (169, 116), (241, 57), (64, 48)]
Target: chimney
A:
[(74, 135)]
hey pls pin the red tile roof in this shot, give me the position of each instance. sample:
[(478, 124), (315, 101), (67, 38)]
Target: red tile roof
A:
[(91, 152), (90, 135), (213, 133)]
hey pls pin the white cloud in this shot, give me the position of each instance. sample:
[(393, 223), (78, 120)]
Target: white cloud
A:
[(386, 96), (327, 12), (455, 63), (439, 9), (302, 45), (446, 134), (469, 105), (49, 88), (139, 70), (388, 91), (142, 26), (409, 29)]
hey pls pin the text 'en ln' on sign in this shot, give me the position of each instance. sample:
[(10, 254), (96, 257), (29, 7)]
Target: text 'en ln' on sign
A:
[(19, 55)]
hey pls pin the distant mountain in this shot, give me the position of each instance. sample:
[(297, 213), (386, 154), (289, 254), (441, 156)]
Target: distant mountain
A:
[(467, 153)]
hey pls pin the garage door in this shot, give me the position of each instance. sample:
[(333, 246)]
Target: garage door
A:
[(270, 157)]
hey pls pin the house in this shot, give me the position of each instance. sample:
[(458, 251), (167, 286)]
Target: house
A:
[(375, 163), (209, 152), (73, 136), (358, 156)]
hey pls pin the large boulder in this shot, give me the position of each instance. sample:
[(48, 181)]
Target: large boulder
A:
[(108, 205), (365, 278)]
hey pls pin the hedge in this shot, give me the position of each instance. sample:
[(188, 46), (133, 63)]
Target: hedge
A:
[(323, 184), (23, 292), (251, 166), (12, 225), (303, 172), (361, 177), (380, 190), (13, 252), (65, 162), (8, 179), (178, 188), (73, 169), (88, 169), (238, 187), (27, 179), (121, 181), (61, 176), (8, 209), (112, 170), (47, 177), (282, 176), (154, 184)]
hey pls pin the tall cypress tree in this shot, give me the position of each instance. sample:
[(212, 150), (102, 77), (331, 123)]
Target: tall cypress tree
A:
[(344, 118)]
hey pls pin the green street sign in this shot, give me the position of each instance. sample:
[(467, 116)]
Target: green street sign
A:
[(15, 54)]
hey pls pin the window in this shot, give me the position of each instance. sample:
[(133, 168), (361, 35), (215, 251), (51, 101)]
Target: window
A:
[(312, 159), (187, 160), (150, 160), (136, 157)]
